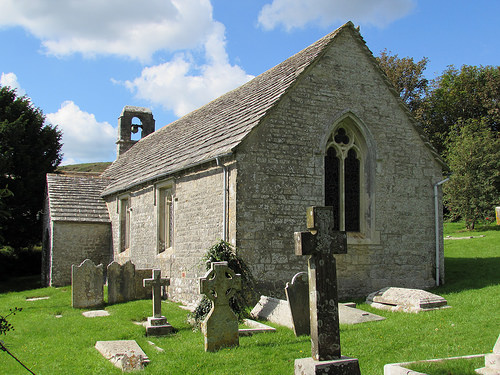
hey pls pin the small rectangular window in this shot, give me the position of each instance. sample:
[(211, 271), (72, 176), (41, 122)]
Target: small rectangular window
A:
[(124, 212), (165, 219)]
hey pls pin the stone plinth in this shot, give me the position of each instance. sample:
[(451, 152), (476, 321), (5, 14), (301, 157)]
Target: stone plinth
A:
[(342, 366), (158, 326)]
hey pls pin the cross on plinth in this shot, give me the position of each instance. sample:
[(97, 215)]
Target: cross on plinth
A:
[(321, 242), (156, 282), (220, 328)]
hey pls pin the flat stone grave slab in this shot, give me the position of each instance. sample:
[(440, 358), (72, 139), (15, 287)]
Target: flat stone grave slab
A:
[(491, 361), (277, 311), (95, 313), (127, 355), (406, 300), (274, 310), (254, 327), (36, 299)]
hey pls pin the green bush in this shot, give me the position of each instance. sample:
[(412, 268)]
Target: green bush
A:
[(242, 301)]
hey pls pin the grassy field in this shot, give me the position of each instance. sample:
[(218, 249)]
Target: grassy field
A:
[(48, 344)]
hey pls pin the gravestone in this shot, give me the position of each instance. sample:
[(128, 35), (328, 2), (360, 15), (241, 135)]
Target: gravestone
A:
[(140, 291), (220, 327), (297, 294), (491, 361), (157, 325), (121, 282), (87, 285), (127, 355), (404, 299), (320, 242)]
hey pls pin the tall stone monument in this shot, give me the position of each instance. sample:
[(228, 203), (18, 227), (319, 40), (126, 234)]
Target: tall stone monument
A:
[(220, 327), (320, 242), (157, 324)]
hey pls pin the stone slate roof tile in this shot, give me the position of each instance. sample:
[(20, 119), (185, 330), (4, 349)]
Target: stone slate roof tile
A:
[(218, 127), (212, 130), (77, 198)]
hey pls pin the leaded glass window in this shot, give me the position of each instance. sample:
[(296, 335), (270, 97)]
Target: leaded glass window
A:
[(343, 179)]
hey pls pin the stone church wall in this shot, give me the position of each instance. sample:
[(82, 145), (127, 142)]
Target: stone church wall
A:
[(197, 215), (281, 172), (72, 243)]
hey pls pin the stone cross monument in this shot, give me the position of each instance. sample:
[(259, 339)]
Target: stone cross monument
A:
[(157, 325), (320, 242), (220, 327)]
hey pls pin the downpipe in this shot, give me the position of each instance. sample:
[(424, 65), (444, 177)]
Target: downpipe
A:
[(224, 208), (436, 222)]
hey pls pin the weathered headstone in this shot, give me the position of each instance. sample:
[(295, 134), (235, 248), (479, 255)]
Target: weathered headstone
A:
[(121, 282), (127, 355), (157, 325), (87, 285), (404, 299), (491, 361), (297, 294), (220, 327), (320, 243), (140, 291)]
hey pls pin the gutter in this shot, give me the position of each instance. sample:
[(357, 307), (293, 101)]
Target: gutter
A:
[(436, 222), (163, 175)]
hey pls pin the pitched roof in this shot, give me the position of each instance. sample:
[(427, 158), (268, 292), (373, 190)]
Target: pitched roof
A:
[(77, 198), (214, 129)]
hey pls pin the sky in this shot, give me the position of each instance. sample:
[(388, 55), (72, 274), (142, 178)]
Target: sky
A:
[(82, 61)]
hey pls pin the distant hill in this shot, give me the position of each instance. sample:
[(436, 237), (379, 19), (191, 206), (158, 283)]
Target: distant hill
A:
[(85, 167)]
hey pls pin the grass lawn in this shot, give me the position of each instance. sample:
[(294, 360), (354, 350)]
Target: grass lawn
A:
[(65, 345)]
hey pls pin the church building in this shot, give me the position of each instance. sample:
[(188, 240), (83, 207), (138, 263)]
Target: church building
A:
[(324, 127)]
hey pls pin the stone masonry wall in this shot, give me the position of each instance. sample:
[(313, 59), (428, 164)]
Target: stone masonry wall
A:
[(281, 172), (73, 242), (197, 211)]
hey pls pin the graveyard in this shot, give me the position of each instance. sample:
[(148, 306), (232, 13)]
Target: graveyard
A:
[(52, 337)]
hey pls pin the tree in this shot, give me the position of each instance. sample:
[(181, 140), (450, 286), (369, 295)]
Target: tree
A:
[(469, 93), (29, 149), (4, 213), (407, 77), (473, 155)]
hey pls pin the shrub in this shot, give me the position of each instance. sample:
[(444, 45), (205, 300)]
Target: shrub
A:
[(241, 302)]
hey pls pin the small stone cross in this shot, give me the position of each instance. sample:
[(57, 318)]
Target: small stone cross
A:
[(220, 328), (321, 242), (156, 282)]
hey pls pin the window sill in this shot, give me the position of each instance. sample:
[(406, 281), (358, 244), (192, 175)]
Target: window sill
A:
[(358, 238)]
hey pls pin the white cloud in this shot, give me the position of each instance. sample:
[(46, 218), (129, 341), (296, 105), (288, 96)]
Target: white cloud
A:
[(182, 86), (130, 28), (298, 13), (85, 139), (10, 80)]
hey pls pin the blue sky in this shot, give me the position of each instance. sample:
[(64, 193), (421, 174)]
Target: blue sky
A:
[(82, 61)]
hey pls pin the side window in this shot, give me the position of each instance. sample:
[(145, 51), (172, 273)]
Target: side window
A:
[(124, 212), (165, 218)]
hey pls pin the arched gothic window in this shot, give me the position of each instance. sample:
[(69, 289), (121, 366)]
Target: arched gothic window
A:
[(343, 178)]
